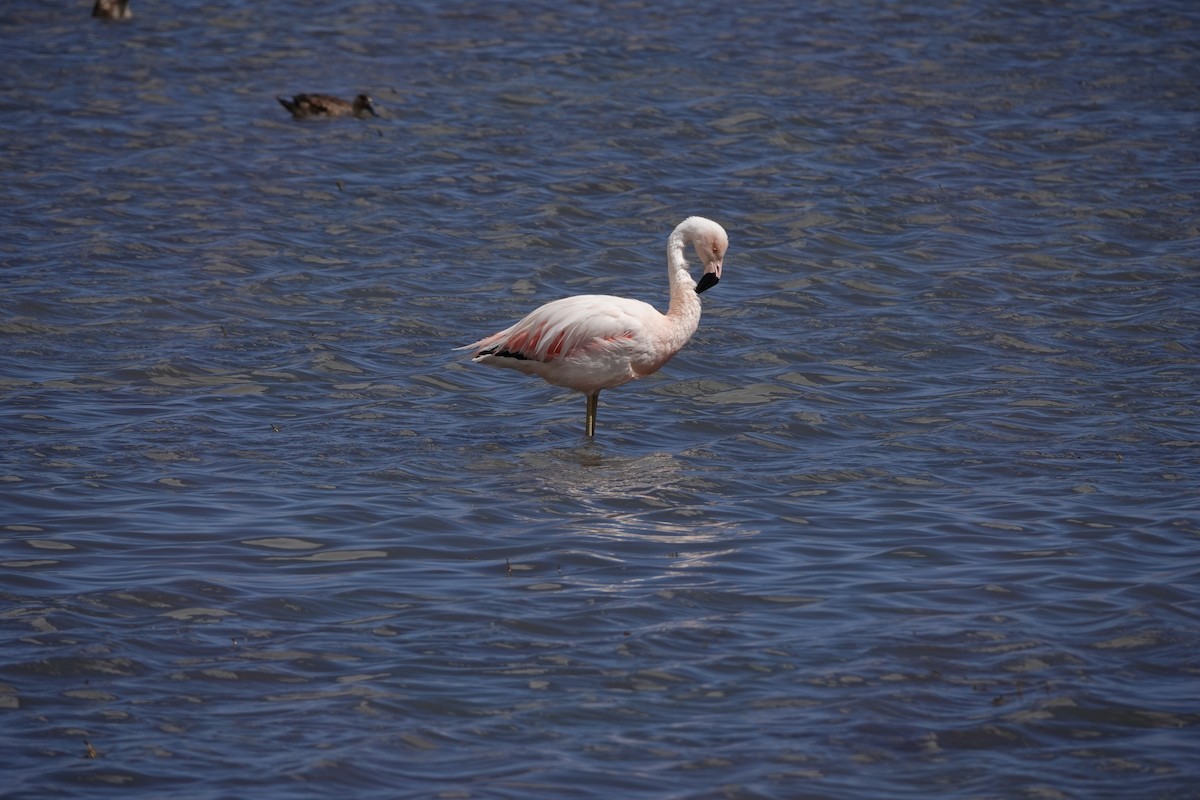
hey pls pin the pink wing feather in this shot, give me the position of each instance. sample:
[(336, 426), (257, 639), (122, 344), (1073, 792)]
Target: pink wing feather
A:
[(565, 327)]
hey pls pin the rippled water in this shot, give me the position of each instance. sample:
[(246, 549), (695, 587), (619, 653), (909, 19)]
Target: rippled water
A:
[(915, 513)]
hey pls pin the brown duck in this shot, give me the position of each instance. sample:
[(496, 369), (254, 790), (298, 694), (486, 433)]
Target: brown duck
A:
[(112, 9), (305, 106)]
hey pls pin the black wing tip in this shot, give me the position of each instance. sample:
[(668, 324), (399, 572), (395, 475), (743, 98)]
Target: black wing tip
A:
[(494, 351)]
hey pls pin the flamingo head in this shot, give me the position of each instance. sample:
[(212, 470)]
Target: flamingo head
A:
[(711, 242)]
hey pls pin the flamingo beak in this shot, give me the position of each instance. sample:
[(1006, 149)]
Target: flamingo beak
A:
[(710, 278)]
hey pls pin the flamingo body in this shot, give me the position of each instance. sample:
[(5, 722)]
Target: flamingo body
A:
[(593, 342)]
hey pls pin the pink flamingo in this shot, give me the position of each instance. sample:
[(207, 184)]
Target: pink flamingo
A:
[(595, 341)]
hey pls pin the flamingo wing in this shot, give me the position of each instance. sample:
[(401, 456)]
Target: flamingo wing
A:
[(567, 327)]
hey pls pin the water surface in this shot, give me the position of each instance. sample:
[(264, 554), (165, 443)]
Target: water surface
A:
[(914, 514)]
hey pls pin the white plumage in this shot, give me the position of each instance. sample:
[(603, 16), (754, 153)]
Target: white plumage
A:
[(593, 341)]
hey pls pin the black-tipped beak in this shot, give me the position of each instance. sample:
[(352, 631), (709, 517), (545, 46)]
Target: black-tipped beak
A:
[(707, 281)]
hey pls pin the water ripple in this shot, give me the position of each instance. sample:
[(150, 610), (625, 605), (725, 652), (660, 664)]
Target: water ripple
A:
[(913, 513)]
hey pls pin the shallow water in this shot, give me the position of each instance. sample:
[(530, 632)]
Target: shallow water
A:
[(914, 514)]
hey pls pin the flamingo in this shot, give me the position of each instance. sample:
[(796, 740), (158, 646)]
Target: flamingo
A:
[(594, 341)]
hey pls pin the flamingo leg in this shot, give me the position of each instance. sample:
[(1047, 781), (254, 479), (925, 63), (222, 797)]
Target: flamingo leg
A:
[(590, 424)]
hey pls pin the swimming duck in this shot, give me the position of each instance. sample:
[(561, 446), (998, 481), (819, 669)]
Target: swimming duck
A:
[(304, 106), (112, 9)]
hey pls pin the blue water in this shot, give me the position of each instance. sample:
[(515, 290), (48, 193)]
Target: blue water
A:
[(915, 514)]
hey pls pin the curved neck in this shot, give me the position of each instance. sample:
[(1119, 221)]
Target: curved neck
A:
[(685, 303)]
